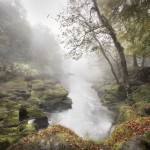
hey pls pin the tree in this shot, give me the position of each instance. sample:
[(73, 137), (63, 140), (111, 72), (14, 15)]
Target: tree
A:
[(77, 27), (135, 19), (15, 33), (117, 44), (85, 32)]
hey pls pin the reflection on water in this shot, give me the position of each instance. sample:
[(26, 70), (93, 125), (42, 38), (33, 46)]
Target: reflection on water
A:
[(87, 118)]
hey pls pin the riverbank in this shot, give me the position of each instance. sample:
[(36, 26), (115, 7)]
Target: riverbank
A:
[(131, 119), (24, 103), (131, 124)]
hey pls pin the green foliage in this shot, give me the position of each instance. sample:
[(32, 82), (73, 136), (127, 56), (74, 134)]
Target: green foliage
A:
[(135, 20), (142, 94)]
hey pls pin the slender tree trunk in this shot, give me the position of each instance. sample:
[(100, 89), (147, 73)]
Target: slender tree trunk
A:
[(107, 59), (135, 64), (118, 46), (143, 61)]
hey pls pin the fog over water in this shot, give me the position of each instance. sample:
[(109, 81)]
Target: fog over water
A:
[(88, 118)]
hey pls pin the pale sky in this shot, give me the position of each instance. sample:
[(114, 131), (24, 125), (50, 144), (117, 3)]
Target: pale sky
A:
[(38, 10)]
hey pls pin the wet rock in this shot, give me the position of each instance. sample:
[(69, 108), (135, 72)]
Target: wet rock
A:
[(41, 123), (40, 118)]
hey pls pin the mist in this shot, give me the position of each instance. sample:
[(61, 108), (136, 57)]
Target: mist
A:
[(33, 52), (27, 47), (74, 74), (87, 118)]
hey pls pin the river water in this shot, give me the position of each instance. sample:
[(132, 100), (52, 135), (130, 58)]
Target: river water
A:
[(87, 118)]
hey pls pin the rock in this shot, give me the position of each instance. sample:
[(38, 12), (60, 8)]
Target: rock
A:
[(5, 142), (28, 129), (7, 131), (136, 143), (40, 118), (21, 100), (34, 112), (41, 123), (10, 119), (39, 86), (147, 111)]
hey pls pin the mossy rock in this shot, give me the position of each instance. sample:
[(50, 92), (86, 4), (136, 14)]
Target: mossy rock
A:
[(126, 113), (55, 93), (142, 94), (11, 119), (18, 84), (10, 104), (55, 137), (136, 127), (3, 94), (9, 131), (38, 86), (107, 89), (34, 112), (29, 129), (5, 142)]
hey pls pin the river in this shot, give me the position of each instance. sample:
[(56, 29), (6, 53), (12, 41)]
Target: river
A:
[(87, 118)]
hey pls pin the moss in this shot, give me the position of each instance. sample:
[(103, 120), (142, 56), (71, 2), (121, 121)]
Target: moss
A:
[(55, 93), (126, 113), (10, 105), (35, 101), (29, 129), (113, 87), (5, 142), (6, 131), (16, 84), (11, 120), (34, 112), (117, 146), (142, 95)]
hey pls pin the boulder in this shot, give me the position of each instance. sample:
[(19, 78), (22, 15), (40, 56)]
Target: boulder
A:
[(136, 143)]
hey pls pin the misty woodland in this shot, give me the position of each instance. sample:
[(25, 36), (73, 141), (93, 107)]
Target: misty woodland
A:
[(83, 86)]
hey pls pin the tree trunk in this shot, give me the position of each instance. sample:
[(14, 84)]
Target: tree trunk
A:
[(143, 61), (135, 64), (118, 46), (107, 59)]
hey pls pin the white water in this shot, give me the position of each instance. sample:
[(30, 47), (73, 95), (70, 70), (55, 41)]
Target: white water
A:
[(87, 118)]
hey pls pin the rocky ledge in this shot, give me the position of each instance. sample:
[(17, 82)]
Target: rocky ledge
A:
[(23, 106)]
